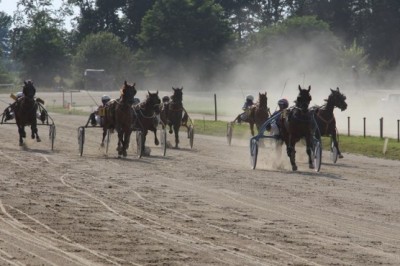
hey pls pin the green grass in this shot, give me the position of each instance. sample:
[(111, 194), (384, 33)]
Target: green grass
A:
[(369, 146)]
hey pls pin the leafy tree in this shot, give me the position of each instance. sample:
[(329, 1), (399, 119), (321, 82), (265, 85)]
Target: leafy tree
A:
[(186, 31), (38, 42), (134, 11), (103, 50), (99, 16)]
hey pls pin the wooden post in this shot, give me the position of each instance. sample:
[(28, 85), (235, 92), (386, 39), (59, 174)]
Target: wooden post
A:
[(215, 106), (364, 127), (398, 130), (381, 127), (348, 126)]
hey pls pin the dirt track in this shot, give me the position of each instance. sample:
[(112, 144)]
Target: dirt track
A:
[(193, 207)]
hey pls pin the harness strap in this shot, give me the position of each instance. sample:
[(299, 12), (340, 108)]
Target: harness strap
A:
[(327, 123)]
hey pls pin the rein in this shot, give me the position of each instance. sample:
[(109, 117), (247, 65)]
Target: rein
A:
[(327, 122)]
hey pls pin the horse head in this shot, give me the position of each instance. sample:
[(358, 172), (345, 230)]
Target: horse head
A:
[(303, 99), (153, 102), (177, 96), (128, 92), (28, 89), (262, 99), (337, 99)]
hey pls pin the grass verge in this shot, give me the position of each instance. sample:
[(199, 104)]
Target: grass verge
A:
[(369, 146)]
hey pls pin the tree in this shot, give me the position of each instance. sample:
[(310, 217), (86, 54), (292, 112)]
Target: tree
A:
[(38, 42), (134, 11), (99, 16), (188, 32), (103, 50)]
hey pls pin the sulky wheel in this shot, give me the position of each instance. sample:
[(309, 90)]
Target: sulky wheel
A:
[(334, 153), (229, 131), (317, 155), (81, 139), (139, 143), (191, 136), (52, 135), (253, 153), (163, 141)]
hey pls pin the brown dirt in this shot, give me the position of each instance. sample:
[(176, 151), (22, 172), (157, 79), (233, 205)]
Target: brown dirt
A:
[(193, 207)]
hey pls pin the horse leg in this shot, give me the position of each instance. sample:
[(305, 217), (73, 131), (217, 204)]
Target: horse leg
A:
[(156, 142), (127, 136), (176, 131), (104, 137), (252, 128), (120, 143), (309, 152), (291, 152), (35, 132), (170, 128), (336, 144), (22, 134)]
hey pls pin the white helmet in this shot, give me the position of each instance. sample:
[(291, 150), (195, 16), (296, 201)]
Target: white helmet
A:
[(19, 94), (249, 98)]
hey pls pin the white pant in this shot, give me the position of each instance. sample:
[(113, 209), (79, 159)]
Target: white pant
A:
[(274, 129)]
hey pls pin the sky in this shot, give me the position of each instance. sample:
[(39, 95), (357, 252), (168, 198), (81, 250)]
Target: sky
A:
[(9, 6)]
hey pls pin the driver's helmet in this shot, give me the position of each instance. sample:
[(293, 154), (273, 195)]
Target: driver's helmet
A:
[(19, 94), (249, 98), (136, 101), (105, 99), (283, 103), (165, 99)]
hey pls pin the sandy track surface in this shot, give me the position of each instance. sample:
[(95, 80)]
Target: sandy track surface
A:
[(193, 207)]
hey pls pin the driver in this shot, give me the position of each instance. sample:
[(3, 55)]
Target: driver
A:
[(283, 105), (96, 116)]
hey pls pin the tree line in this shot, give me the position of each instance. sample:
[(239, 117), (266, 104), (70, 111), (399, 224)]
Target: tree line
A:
[(164, 39)]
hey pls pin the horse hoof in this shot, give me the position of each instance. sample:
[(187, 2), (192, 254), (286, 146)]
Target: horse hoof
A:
[(38, 140), (311, 166), (156, 142), (341, 156), (124, 153), (102, 145), (32, 136), (170, 132), (294, 168), (21, 144)]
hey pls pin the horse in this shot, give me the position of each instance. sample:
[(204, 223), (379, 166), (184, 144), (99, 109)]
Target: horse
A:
[(174, 115), (146, 116), (258, 114), (119, 116), (25, 112), (296, 123), (326, 119)]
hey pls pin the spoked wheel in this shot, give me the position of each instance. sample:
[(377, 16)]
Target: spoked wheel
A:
[(108, 136), (334, 153), (317, 155), (163, 141), (253, 153), (229, 131), (52, 135), (191, 136), (81, 139), (139, 143)]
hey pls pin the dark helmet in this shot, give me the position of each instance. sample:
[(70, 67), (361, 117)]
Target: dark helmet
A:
[(165, 99), (283, 103), (105, 99)]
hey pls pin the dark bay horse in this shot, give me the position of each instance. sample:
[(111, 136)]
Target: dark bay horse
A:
[(173, 114), (326, 119), (25, 112), (119, 116), (259, 112), (145, 116), (296, 123)]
